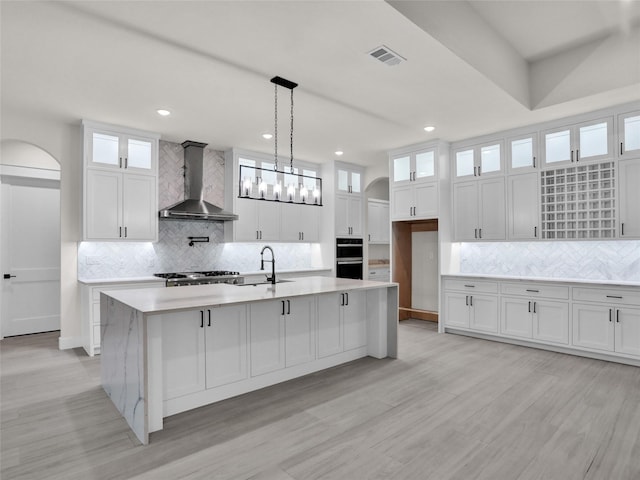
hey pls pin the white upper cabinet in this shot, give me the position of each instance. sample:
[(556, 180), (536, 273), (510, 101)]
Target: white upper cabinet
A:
[(478, 161), (523, 198), (585, 141), (349, 218), (349, 179), (106, 147), (419, 166), (479, 210), (629, 134), (629, 181), (522, 153)]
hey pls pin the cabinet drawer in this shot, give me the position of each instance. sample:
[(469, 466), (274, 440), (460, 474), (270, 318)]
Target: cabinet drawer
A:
[(534, 290), (471, 286), (607, 295)]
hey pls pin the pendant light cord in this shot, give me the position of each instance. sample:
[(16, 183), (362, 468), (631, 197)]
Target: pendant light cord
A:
[(291, 134), (275, 136)]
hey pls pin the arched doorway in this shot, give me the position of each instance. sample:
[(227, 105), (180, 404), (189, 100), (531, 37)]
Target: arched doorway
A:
[(29, 239)]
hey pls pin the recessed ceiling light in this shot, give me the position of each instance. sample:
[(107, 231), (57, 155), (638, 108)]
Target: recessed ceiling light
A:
[(267, 136), (163, 112), (339, 152), (429, 128)]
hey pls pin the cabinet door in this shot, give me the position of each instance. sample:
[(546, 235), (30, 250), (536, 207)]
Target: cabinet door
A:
[(183, 353), (594, 140), (226, 345), (246, 228), (627, 331), (424, 166), (483, 313), (557, 146), (629, 178), (551, 321), (300, 327), (516, 319), (103, 149), (426, 200), (629, 134), (103, 208), (140, 154), (269, 220), (402, 203), (342, 215), (354, 320), (140, 207), (492, 217), (522, 153), (401, 168), (355, 216), (373, 215), (384, 225), (293, 217), (465, 211), (329, 325), (593, 327), (464, 164), (523, 206), (310, 223), (457, 309), (267, 337)]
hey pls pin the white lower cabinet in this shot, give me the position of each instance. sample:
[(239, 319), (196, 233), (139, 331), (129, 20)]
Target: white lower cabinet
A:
[(603, 319), (537, 319), (203, 349), (300, 330), (342, 322), (267, 336), (607, 327), (475, 312)]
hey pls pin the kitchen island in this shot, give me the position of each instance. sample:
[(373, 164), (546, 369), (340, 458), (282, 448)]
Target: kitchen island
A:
[(169, 350)]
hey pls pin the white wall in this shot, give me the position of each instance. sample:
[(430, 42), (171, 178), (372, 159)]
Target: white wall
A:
[(64, 142)]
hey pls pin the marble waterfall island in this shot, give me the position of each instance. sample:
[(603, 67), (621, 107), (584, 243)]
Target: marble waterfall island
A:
[(169, 350)]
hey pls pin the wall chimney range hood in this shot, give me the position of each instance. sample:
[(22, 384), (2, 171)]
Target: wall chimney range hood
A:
[(194, 207)]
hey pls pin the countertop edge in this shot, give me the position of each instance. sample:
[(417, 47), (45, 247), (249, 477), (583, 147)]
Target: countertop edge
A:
[(580, 281)]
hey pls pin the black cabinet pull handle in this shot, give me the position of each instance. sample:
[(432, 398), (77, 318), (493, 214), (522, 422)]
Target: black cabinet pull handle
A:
[(347, 294), (610, 314), (209, 324), (620, 148), (534, 162), (470, 286), (571, 156), (534, 307), (201, 318), (341, 299), (614, 296), (534, 291), (535, 232), (475, 232), (577, 155), (120, 165), (466, 300), (282, 306), (471, 300), (618, 315), (622, 229), (529, 307), (288, 307), (479, 233)]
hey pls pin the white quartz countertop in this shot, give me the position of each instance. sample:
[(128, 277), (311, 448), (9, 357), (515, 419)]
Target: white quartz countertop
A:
[(121, 280), (162, 299), (620, 283)]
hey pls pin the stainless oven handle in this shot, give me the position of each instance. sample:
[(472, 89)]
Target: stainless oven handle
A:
[(351, 262), (350, 245)]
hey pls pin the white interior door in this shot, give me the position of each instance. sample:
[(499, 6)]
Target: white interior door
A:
[(30, 255)]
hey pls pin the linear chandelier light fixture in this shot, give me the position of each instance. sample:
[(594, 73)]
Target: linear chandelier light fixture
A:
[(292, 186)]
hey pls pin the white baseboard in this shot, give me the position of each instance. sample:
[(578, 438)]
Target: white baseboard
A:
[(65, 343)]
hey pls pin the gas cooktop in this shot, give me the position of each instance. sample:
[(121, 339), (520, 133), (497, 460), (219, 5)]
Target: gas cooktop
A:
[(177, 279)]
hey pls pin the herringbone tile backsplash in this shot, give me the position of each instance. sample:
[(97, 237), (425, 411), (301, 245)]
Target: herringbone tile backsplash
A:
[(590, 260)]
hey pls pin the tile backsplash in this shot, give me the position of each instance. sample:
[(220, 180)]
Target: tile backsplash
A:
[(172, 253), (592, 260)]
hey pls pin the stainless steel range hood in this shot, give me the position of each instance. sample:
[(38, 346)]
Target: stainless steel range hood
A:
[(194, 207)]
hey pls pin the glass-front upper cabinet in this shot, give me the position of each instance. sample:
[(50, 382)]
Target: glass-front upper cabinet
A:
[(629, 134), (113, 149), (419, 166), (348, 178), (522, 153), (586, 141), (478, 161)]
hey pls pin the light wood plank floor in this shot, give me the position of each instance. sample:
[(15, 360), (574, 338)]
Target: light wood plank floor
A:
[(450, 407)]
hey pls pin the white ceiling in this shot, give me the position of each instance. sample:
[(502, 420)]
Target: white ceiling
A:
[(472, 68)]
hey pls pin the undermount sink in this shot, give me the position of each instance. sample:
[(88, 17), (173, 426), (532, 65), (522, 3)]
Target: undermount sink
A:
[(265, 282)]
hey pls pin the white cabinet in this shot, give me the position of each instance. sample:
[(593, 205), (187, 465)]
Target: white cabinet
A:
[(522, 153), (629, 134), (629, 181), (419, 166), (477, 161), (471, 305), (120, 185), (267, 336), (349, 214), (542, 320), (282, 334), (90, 306), (607, 327), (299, 223), (479, 210), (203, 349), (260, 220), (349, 179), (522, 206), (584, 141), (342, 323), (414, 202), (379, 225)]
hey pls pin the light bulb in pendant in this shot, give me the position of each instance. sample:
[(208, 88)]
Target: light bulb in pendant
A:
[(277, 190)]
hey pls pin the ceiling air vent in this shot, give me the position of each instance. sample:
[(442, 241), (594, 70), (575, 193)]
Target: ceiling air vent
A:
[(386, 55)]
